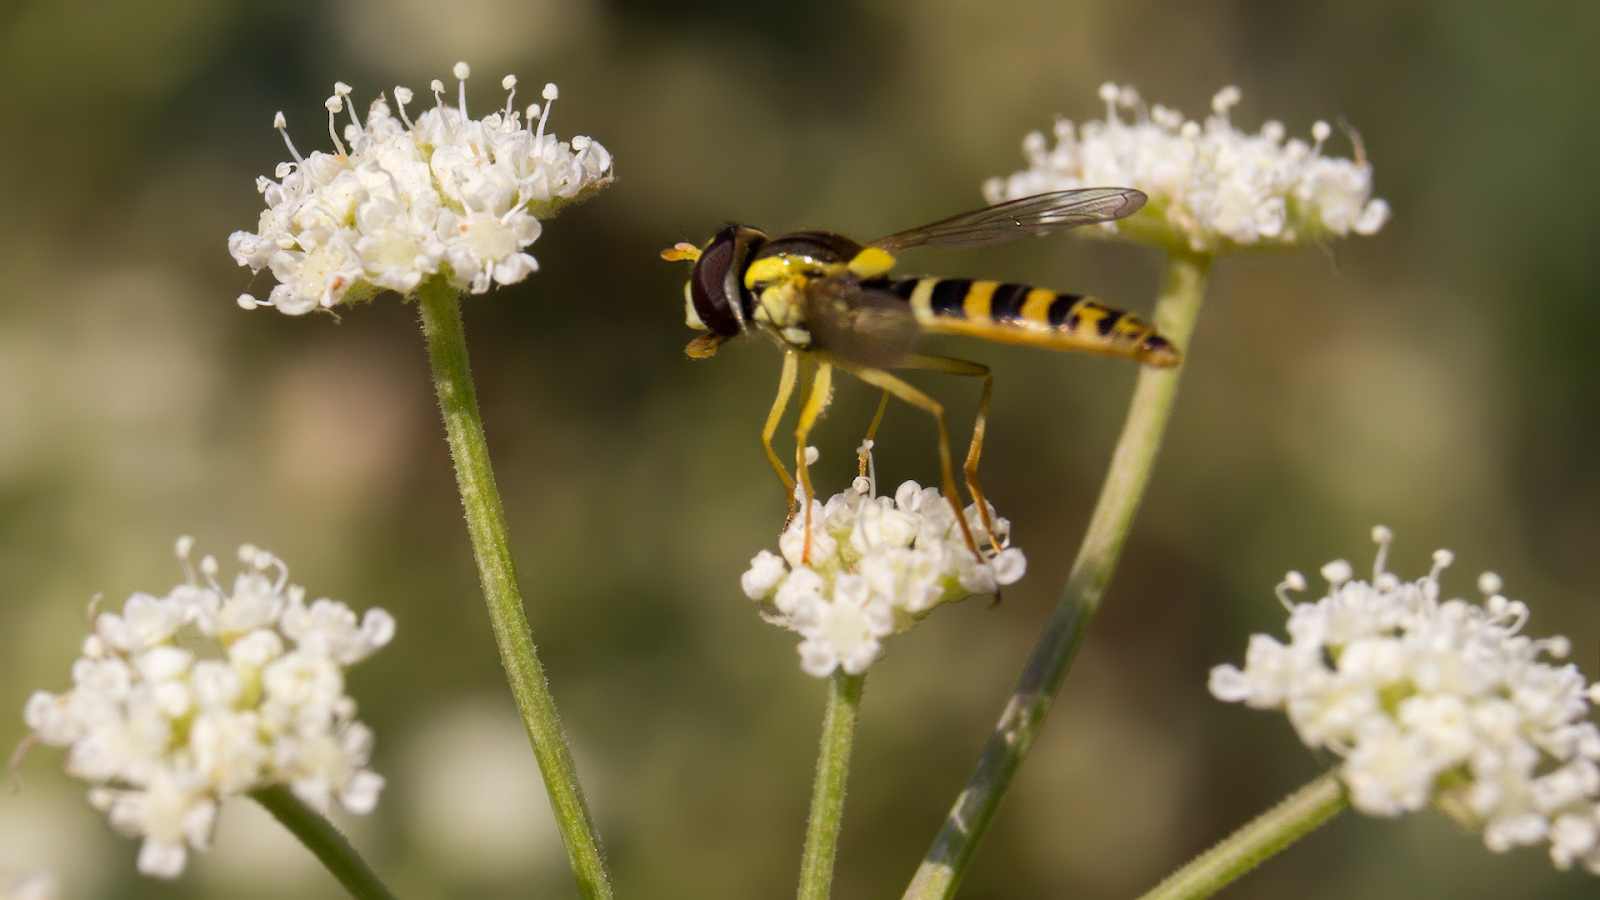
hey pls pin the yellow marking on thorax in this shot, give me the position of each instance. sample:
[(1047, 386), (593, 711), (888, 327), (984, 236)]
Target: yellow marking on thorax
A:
[(922, 299), (870, 263), (770, 269), (976, 304), (784, 267), (1036, 307)]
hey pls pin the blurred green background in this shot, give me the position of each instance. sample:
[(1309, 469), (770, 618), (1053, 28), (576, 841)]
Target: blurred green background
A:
[(1439, 378)]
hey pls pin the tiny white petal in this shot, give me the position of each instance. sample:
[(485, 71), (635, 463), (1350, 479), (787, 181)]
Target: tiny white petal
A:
[(162, 859), (766, 570)]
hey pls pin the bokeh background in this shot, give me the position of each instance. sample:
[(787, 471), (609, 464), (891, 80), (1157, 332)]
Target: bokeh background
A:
[(1439, 377)]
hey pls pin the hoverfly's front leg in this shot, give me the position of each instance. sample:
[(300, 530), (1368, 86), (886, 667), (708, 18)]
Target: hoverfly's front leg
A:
[(816, 401), (975, 449), (881, 379), (780, 404), (863, 455)]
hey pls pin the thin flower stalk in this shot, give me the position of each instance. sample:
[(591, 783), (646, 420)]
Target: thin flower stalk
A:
[(1182, 290), (827, 794), (440, 306), (324, 840), (1296, 816)]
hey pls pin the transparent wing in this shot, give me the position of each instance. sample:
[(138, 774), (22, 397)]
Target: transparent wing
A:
[(1039, 214), (860, 325)]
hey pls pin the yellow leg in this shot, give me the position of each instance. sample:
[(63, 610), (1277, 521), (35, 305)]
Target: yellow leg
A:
[(881, 379), (872, 430), (780, 404), (816, 401), (950, 366)]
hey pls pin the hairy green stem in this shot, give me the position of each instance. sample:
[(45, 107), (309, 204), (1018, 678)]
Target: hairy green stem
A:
[(1298, 815), (440, 307), (1183, 288), (827, 794), (325, 841)]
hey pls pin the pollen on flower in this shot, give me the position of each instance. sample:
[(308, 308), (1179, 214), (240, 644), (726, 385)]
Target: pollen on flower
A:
[(402, 199), (182, 701), (1212, 187), (1436, 702), (872, 567)]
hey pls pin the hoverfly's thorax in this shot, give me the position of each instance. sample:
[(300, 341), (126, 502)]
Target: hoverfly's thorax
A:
[(780, 271), (715, 297), (799, 256)]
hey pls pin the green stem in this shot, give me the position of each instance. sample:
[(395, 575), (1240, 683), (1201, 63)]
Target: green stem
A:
[(440, 307), (1183, 286), (827, 794), (329, 845), (1299, 814)]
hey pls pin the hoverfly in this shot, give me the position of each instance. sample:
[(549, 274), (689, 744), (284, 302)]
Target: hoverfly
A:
[(825, 298)]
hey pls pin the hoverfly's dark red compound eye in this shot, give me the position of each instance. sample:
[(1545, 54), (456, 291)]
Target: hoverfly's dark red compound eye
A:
[(716, 286)]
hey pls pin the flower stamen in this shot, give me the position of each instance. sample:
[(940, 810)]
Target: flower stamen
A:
[(509, 85), (461, 71), (282, 124), (551, 92), (402, 96), (334, 104)]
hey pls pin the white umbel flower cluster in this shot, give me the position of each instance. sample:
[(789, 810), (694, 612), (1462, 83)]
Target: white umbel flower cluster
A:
[(182, 701), (1441, 702), (32, 886), (874, 566), (1212, 187), (407, 199)]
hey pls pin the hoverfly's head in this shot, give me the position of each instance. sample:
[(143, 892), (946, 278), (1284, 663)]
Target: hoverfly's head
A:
[(715, 298)]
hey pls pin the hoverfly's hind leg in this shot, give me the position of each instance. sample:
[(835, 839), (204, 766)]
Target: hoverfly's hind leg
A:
[(780, 405), (975, 449), (864, 453), (881, 379), (817, 400)]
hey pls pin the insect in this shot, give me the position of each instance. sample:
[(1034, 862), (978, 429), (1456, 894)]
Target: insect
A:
[(827, 299)]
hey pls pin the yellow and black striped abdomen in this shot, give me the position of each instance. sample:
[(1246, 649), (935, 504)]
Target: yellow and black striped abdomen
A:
[(1023, 314)]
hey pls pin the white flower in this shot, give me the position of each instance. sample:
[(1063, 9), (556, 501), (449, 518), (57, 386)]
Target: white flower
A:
[(165, 733), (1432, 701), (408, 199), (873, 566), (29, 886), (1212, 187)]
